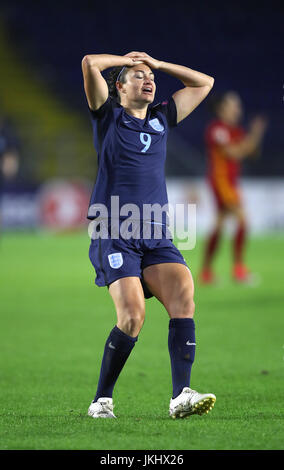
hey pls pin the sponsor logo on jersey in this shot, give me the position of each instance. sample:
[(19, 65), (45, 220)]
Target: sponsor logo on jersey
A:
[(155, 123), (115, 260)]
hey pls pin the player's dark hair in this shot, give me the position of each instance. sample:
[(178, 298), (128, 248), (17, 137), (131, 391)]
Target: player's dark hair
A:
[(114, 74), (217, 98)]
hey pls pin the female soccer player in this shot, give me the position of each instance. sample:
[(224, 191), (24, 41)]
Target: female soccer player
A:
[(130, 137), (227, 145)]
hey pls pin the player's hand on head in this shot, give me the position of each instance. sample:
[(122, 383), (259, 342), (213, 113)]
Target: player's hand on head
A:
[(142, 57), (135, 54), (131, 61)]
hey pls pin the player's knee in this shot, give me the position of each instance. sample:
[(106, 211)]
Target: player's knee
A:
[(184, 307), (188, 308), (133, 323), (132, 319), (220, 222), (242, 222)]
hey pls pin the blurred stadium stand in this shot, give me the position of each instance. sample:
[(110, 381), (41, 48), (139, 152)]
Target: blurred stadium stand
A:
[(42, 44)]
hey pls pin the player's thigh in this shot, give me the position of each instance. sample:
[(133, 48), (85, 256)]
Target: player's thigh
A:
[(172, 284), (227, 197), (128, 297)]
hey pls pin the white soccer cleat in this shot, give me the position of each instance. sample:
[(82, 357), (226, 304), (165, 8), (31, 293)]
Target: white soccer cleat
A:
[(102, 408), (190, 402)]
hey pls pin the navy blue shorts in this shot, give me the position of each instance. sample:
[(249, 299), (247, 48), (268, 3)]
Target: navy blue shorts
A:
[(117, 258)]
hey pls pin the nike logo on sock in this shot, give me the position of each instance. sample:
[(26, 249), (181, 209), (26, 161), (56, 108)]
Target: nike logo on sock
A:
[(190, 344), (111, 346)]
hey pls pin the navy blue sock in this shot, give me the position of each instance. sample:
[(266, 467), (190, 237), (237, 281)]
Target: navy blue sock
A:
[(182, 351), (117, 349)]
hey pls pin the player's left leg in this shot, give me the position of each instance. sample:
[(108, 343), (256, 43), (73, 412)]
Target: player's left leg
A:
[(240, 271), (173, 285)]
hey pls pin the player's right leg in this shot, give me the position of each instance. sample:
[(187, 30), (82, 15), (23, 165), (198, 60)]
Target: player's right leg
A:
[(207, 275), (240, 272), (128, 298), (118, 266)]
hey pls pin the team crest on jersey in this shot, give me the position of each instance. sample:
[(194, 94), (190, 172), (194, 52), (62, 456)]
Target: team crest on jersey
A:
[(155, 123), (221, 135), (115, 260)]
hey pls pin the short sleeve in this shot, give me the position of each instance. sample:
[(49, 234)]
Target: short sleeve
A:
[(168, 108), (103, 110)]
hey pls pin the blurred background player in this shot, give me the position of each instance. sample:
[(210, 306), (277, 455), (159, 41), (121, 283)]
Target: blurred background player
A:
[(227, 145), (9, 156)]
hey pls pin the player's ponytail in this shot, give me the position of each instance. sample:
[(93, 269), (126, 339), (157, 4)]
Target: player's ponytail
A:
[(117, 73)]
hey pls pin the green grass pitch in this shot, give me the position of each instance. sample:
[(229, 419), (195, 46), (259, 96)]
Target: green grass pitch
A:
[(54, 323)]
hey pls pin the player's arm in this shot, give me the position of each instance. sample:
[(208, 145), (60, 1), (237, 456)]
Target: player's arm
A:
[(197, 84), (95, 86), (250, 144)]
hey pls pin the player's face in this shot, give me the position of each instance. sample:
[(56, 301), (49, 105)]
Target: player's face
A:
[(140, 84), (231, 108)]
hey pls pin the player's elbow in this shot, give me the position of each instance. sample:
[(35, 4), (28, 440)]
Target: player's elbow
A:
[(211, 81), (89, 61), (86, 61)]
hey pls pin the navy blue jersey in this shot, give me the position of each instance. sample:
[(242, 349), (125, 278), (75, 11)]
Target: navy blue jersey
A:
[(131, 155)]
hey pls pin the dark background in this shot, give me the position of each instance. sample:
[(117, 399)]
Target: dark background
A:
[(239, 44)]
